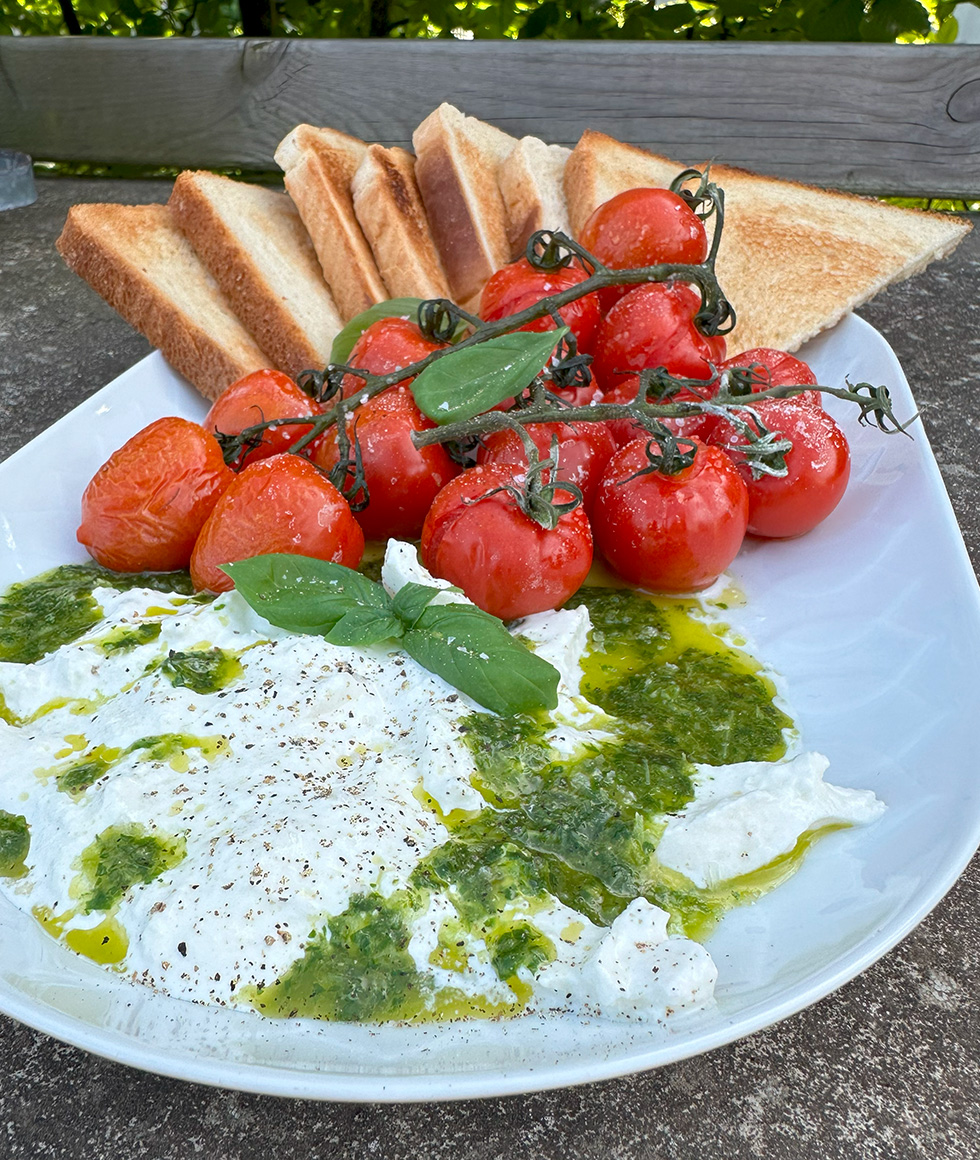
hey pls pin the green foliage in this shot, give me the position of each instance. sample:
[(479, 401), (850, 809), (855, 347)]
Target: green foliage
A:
[(907, 21)]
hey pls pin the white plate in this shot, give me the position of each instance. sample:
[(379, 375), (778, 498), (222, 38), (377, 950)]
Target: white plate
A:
[(874, 622)]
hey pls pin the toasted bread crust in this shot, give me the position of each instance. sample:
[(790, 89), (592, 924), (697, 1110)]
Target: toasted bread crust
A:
[(390, 210), (254, 245), (794, 259), (319, 167), (456, 166), (136, 258)]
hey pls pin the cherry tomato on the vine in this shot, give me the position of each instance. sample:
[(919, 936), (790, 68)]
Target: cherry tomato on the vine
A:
[(387, 345), (654, 326), (258, 398), (818, 468), (516, 287), (477, 537), (146, 504), (402, 480), (282, 504), (670, 533), (643, 227), (584, 449)]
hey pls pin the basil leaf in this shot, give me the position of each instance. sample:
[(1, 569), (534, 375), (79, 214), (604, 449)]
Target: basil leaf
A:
[(475, 653), (411, 600), (301, 594), (362, 626), (470, 381), (343, 344)]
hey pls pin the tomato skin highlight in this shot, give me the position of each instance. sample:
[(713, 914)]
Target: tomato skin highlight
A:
[(643, 227), (516, 287), (282, 504), (584, 449), (387, 345), (257, 398), (670, 533), (144, 507), (653, 326), (818, 468), (504, 561), (402, 480)]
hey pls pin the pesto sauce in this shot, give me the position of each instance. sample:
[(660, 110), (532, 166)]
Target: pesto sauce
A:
[(676, 695), (127, 637), (357, 968), (202, 670), (15, 843), (37, 616), (122, 857)]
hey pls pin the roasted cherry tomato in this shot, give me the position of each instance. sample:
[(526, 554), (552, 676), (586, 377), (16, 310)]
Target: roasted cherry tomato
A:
[(643, 227), (402, 480), (776, 368), (654, 326), (477, 536), (387, 345), (282, 504), (584, 449), (670, 533), (257, 398), (145, 506), (818, 468), (516, 287)]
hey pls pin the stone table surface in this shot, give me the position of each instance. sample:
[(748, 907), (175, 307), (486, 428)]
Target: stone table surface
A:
[(887, 1067)]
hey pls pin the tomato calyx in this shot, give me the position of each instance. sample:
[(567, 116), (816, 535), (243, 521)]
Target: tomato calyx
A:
[(322, 386), (537, 495), (549, 250), (441, 320), (235, 449), (764, 451), (669, 459)]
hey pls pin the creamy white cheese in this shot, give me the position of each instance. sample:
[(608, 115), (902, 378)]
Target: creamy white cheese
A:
[(745, 816), (634, 970), (305, 782)]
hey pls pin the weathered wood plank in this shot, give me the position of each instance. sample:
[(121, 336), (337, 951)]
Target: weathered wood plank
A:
[(870, 118)]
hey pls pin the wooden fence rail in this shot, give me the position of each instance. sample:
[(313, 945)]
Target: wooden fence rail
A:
[(870, 118)]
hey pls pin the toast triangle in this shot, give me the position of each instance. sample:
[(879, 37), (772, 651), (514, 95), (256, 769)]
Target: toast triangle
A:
[(319, 167), (530, 180), (794, 259), (389, 208), (137, 259), (457, 158), (253, 243)]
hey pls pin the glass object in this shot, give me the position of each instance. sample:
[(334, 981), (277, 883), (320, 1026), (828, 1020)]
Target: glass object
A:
[(16, 180)]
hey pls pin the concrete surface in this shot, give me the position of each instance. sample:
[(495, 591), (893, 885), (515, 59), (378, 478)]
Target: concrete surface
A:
[(886, 1068)]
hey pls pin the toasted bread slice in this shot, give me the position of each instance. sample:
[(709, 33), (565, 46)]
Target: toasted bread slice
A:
[(253, 243), (457, 159), (144, 267), (390, 210), (530, 180), (319, 166), (794, 259)]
